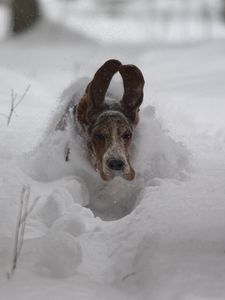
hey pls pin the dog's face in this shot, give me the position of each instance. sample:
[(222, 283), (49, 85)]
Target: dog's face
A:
[(109, 142), (109, 130)]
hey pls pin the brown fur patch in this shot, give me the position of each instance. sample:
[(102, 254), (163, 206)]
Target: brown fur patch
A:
[(109, 130)]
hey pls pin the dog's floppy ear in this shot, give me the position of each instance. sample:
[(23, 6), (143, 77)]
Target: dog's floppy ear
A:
[(92, 101), (98, 86), (133, 82)]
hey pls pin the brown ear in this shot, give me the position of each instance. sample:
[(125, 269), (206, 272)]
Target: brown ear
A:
[(133, 82), (98, 86), (92, 101)]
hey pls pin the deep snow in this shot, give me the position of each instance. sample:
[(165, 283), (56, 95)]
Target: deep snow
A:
[(171, 245)]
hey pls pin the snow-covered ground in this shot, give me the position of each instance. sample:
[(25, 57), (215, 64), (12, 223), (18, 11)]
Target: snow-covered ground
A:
[(171, 245), (158, 21)]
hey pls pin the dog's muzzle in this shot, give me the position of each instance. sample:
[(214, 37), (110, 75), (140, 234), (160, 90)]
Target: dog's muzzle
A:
[(115, 164)]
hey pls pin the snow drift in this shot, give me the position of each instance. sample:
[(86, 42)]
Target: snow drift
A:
[(158, 237)]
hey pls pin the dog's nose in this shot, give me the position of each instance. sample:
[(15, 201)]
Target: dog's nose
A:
[(115, 164)]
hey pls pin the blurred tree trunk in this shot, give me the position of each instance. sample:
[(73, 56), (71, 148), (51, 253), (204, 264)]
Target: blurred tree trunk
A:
[(25, 13), (223, 10)]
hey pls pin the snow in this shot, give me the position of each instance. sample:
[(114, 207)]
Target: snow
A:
[(157, 21), (160, 236)]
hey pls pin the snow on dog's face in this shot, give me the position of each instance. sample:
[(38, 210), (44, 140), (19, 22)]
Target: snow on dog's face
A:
[(109, 142), (108, 127)]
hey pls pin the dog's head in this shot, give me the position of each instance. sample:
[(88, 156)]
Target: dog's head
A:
[(108, 128)]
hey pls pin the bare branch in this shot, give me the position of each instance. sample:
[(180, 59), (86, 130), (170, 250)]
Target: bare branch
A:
[(14, 105), (17, 233), (24, 216), (24, 212), (23, 96), (128, 275), (13, 99), (29, 211)]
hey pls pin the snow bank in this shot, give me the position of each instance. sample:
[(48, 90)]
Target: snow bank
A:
[(158, 237), (57, 230), (160, 156)]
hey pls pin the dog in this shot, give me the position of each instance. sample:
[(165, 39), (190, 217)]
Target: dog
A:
[(107, 126)]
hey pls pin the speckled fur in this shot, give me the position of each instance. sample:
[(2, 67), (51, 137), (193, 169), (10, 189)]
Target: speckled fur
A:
[(107, 127)]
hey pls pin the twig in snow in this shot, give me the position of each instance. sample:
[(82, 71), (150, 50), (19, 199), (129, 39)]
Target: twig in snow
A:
[(17, 234), (21, 223), (128, 275), (23, 214), (14, 104), (29, 211), (23, 96), (13, 98)]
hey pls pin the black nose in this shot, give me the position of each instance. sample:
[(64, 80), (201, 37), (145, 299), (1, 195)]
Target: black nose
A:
[(115, 164)]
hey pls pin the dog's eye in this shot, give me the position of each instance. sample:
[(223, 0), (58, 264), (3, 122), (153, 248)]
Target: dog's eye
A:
[(99, 137), (126, 136)]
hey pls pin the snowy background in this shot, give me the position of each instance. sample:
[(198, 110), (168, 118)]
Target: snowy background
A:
[(171, 244)]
